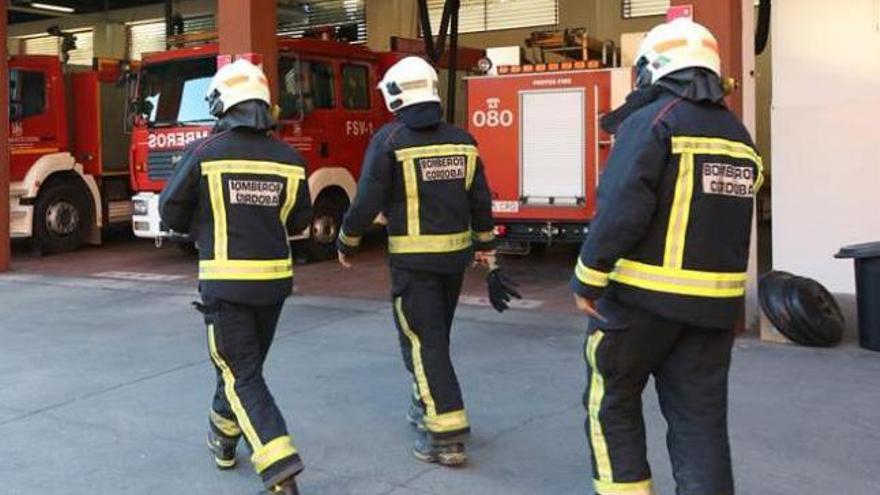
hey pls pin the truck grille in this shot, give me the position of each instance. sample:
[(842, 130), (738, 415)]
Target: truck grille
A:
[(160, 164)]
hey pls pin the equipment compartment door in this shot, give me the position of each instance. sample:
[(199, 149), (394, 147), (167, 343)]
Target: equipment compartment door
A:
[(553, 143)]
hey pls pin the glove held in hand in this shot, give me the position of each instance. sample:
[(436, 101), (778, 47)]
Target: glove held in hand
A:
[(501, 290)]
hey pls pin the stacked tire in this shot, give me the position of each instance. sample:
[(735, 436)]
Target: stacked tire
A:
[(801, 309)]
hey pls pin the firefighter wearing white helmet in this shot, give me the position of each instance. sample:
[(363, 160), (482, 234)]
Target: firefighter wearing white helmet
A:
[(677, 45), (427, 177), (662, 272), (235, 83), (239, 193), (410, 82)]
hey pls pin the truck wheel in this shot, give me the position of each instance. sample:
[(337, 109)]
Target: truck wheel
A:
[(62, 217), (329, 209)]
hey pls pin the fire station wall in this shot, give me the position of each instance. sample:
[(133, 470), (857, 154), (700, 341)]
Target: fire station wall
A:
[(601, 18), (826, 89), (110, 36)]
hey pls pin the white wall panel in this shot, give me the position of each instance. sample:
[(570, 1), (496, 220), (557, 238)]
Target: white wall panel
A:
[(826, 163)]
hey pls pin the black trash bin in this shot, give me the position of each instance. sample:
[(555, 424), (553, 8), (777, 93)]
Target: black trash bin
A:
[(867, 258)]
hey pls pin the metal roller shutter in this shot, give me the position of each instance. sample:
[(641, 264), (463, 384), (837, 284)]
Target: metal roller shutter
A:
[(491, 15), (85, 48), (41, 45), (324, 13), (145, 37), (644, 8), (149, 36), (51, 45)]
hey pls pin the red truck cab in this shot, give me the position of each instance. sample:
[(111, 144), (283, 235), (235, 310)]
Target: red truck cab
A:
[(67, 151), (329, 110)]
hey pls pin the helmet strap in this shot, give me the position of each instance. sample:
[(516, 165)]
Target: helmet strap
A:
[(643, 74), (215, 104)]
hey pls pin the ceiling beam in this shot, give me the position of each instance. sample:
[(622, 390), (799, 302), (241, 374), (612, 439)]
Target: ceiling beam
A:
[(30, 10)]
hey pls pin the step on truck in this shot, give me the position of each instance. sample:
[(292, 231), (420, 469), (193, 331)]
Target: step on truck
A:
[(329, 110), (68, 160)]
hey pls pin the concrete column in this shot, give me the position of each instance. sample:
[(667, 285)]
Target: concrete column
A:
[(725, 19), (110, 40), (249, 26), (4, 144), (387, 18)]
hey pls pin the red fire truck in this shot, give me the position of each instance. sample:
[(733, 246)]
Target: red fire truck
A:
[(329, 111), (68, 152), (539, 134)]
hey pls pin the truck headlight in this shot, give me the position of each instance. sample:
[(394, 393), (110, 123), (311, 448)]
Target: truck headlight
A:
[(140, 207)]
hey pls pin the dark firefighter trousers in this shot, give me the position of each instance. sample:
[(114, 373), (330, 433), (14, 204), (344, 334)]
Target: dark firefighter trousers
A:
[(239, 338), (690, 368), (424, 307)]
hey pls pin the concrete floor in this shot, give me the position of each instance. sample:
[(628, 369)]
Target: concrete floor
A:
[(105, 381)]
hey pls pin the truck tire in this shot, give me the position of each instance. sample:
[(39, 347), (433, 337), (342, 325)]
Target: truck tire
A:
[(329, 209), (62, 217)]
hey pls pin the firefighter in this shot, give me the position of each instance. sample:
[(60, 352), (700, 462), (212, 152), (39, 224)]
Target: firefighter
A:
[(427, 178), (662, 273), (239, 192)]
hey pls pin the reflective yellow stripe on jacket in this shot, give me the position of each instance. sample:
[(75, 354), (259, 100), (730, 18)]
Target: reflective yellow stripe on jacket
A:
[(679, 281), (440, 243), (221, 267), (719, 146), (414, 241), (245, 269)]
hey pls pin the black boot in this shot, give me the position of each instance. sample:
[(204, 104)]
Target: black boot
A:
[(446, 454), (223, 450), (286, 487)]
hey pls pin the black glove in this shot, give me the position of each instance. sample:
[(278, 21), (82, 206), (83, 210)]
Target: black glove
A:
[(501, 290)]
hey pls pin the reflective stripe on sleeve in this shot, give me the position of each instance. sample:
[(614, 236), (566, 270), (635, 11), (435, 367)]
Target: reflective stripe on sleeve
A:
[(589, 276), (349, 240), (488, 236)]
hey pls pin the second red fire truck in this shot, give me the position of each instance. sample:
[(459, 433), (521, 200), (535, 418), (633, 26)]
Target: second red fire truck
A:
[(329, 111), (539, 134)]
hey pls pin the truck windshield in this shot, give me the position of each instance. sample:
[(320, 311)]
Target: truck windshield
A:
[(173, 93)]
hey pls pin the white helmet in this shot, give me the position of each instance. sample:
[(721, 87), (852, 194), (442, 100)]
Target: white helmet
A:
[(678, 45), (408, 82), (235, 83)]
